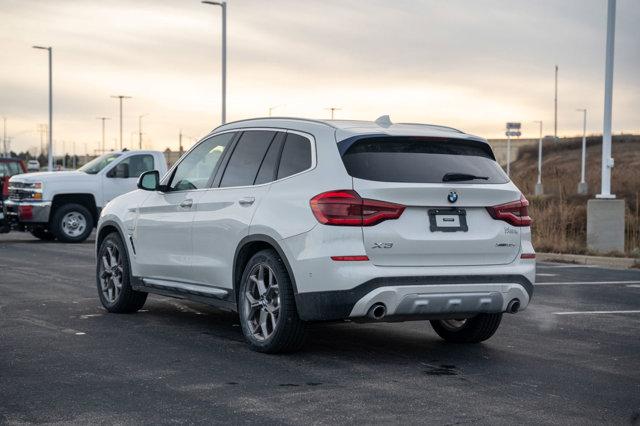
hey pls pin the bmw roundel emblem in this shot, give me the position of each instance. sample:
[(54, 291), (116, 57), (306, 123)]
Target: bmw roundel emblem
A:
[(452, 197)]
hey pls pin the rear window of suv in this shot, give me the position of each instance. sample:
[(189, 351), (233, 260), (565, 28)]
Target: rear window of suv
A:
[(421, 160)]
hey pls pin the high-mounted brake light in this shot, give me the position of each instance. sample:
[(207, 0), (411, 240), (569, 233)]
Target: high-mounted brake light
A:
[(515, 213), (347, 208)]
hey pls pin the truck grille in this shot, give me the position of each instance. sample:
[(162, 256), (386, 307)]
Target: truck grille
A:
[(17, 191)]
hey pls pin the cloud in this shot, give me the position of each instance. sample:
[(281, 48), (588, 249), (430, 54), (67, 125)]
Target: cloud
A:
[(468, 64)]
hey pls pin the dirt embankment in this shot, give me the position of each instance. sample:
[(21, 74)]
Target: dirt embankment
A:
[(560, 218)]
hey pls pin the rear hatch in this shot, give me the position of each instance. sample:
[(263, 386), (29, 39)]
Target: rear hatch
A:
[(446, 185)]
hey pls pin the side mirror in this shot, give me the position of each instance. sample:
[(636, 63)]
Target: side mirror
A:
[(122, 171), (149, 181)]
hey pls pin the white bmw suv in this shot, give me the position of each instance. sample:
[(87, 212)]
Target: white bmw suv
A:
[(288, 221)]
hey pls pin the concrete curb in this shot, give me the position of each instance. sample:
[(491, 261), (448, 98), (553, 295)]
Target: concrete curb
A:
[(607, 262)]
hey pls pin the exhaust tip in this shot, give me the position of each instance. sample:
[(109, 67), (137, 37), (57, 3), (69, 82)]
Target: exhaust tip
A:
[(513, 306), (377, 311)]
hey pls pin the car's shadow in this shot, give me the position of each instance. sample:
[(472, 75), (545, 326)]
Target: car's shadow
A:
[(373, 343)]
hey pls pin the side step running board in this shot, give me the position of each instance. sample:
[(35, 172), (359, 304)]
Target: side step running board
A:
[(179, 287)]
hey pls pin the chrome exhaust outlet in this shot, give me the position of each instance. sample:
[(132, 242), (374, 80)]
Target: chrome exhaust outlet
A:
[(513, 306), (377, 311)]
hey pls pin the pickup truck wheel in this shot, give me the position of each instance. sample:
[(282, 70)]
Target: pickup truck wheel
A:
[(469, 330), (267, 307), (72, 223), (113, 277), (43, 233)]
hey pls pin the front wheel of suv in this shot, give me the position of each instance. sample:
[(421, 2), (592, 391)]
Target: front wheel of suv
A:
[(113, 277), (267, 307), (469, 330)]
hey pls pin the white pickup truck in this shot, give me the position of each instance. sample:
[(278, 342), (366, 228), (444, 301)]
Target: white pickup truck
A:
[(66, 205)]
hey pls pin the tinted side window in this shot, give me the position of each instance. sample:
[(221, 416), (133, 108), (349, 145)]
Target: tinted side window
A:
[(247, 156), (195, 170), (268, 169), (296, 156), (138, 164)]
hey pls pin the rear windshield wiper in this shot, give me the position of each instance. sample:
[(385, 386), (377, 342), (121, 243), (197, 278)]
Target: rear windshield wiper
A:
[(450, 177)]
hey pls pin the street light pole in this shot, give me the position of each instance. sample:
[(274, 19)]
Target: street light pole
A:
[(140, 130), (103, 120), (607, 161), (508, 154), (555, 108), (582, 186), (120, 98), (223, 5), (50, 51), (4, 137), (333, 110), (538, 189)]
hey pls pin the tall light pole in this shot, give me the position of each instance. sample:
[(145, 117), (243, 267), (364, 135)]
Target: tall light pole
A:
[(555, 108), (582, 186), (140, 130), (607, 161), (103, 119), (223, 5), (4, 137), (120, 98), (539, 190), (333, 110), (50, 51), (274, 107)]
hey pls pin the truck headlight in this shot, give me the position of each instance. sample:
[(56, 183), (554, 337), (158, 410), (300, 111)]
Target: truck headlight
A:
[(28, 191), (33, 185)]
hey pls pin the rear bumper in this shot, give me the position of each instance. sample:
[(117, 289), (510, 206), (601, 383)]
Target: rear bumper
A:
[(27, 212), (424, 297)]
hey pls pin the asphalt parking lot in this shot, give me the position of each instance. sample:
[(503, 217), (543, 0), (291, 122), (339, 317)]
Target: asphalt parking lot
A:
[(573, 357)]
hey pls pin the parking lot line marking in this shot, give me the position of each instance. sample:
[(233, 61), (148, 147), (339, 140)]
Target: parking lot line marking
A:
[(546, 275), (565, 265), (596, 312), (634, 285), (590, 283)]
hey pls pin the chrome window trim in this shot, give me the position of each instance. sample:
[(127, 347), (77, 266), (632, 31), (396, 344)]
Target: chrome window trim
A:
[(308, 136)]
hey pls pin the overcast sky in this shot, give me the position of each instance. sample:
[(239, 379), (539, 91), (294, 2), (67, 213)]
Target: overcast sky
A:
[(468, 64)]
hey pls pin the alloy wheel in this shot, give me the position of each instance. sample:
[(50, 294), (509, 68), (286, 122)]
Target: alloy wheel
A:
[(111, 273), (454, 324), (262, 302)]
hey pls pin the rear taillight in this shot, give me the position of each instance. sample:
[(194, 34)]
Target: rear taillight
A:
[(515, 213), (347, 208)]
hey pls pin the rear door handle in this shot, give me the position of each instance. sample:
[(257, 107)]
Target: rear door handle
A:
[(247, 201), (186, 204)]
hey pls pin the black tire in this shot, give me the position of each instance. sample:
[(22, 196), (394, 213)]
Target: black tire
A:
[(42, 233), (289, 333), (57, 225), (474, 330), (128, 299)]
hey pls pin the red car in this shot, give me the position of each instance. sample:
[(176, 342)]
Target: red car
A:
[(8, 168)]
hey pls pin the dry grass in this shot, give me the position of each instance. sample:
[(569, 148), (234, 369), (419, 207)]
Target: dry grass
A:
[(560, 216)]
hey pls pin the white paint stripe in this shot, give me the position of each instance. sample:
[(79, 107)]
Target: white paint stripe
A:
[(589, 283), (634, 286), (596, 312), (546, 275), (565, 265)]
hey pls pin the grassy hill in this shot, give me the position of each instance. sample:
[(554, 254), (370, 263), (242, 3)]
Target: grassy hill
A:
[(560, 218)]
